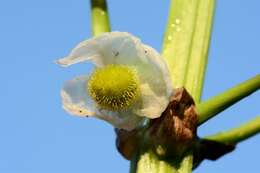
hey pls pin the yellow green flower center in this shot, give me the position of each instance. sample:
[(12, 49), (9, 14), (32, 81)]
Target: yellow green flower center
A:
[(114, 87)]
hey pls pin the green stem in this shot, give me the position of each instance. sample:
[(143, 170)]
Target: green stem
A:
[(178, 38), (186, 164), (215, 105), (238, 134), (133, 163), (148, 161), (199, 50), (100, 19)]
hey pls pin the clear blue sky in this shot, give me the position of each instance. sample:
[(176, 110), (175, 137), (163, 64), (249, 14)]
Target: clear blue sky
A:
[(37, 136)]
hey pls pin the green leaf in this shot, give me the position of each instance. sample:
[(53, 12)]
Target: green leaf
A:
[(216, 104), (100, 19)]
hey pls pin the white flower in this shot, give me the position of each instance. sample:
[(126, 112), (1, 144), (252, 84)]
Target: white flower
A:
[(130, 82)]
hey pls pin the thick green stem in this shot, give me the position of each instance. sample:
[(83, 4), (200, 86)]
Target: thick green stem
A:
[(100, 19), (148, 161), (178, 38), (199, 49), (186, 42), (238, 134), (215, 105)]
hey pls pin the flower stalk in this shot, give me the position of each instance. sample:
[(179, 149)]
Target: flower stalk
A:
[(198, 56), (217, 104), (156, 165), (238, 134), (100, 18), (178, 38)]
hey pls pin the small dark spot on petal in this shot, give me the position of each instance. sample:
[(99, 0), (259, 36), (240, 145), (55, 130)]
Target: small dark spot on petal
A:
[(116, 53)]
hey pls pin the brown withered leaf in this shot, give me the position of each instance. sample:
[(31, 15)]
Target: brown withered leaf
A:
[(211, 150), (173, 133), (176, 129), (126, 142)]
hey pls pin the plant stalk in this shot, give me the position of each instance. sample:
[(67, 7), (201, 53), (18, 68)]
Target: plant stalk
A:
[(198, 56), (217, 104), (238, 134), (100, 18), (178, 38), (157, 165)]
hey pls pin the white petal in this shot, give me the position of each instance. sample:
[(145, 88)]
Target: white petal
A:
[(152, 105), (108, 48), (75, 98), (162, 76), (122, 119), (120, 48), (156, 86), (86, 50)]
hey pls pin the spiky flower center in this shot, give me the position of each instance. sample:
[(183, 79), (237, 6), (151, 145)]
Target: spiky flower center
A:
[(114, 87)]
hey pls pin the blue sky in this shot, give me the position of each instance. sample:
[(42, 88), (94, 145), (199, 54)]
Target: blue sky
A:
[(37, 136)]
